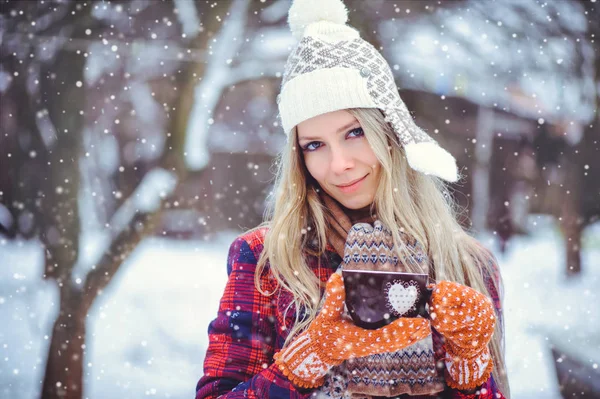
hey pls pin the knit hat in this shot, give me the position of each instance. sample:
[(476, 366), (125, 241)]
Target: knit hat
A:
[(332, 68)]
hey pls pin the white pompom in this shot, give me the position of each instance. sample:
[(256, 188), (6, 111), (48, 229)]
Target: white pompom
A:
[(430, 158), (304, 12)]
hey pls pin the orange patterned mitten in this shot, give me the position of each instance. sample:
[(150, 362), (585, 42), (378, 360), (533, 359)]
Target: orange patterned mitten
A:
[(329, 340), (466, 319)]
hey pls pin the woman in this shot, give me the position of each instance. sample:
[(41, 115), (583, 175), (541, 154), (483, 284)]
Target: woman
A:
[(354, 164)]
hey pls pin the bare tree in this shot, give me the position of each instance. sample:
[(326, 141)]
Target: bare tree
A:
[(49, 134)]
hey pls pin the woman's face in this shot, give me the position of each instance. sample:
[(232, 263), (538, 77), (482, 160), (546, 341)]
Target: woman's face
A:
[(337, 154)]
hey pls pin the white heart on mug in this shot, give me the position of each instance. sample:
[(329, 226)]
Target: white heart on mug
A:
[(401, 298)]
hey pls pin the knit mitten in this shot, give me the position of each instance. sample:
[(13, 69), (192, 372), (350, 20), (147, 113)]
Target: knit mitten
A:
[(330, 339), (466, 319)]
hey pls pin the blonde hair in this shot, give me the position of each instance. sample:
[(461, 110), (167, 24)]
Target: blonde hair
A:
[(420, 204)]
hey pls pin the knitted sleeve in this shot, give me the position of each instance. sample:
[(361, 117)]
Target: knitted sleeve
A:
[(239, 358), (489, 390), (493, 282)]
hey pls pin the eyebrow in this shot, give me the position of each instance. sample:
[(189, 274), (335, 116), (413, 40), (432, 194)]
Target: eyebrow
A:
[(345, 127)]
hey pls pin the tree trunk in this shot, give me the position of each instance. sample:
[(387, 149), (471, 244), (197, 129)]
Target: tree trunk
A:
[(572, 229), (63, 377), (60, 218)]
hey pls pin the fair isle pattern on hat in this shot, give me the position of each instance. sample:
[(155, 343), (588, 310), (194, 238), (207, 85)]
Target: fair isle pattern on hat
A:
[(313, 54), (332, 69)]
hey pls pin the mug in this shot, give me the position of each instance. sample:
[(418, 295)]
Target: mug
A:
[(376, 298)]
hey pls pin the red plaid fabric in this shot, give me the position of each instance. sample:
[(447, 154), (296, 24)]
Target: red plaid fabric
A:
[(250, 328)]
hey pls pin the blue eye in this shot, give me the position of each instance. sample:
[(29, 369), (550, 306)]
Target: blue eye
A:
[(357, 132), (307, 148)]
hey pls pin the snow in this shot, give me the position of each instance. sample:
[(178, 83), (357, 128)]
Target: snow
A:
[(156, 184), (208, 92), (6, 218), (5, 80), (149, 327), (540, 304), (188, 16), (147, 333), (275, 11), (99, 63), (464, 51), (273, 45), (147, 109), (28, 308)]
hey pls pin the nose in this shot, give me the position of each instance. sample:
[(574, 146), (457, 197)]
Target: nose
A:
[(341, 160)]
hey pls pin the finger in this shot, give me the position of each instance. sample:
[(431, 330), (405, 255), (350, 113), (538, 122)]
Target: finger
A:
[(335, 295)]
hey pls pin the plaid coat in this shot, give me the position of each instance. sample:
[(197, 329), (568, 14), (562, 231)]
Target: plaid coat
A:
[(250, 328)]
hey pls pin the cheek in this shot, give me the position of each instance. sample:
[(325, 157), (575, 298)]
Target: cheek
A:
[(370, 158), (316, 167), (377, 172)]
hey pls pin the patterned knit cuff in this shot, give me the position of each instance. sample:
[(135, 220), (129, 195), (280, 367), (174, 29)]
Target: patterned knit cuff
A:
[(302, 364), (468, 373), (296, 380)]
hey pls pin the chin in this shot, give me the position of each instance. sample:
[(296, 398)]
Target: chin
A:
[(358, 202)]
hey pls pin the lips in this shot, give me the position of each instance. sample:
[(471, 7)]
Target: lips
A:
[(352, 182), (353, 187)]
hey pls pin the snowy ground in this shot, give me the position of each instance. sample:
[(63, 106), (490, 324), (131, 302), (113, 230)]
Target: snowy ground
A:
[(541, 304), (147, 333)]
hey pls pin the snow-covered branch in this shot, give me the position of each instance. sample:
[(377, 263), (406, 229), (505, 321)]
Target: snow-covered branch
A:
[(225, 46)]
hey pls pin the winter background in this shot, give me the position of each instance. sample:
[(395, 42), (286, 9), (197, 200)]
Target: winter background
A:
[(137, 141)]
